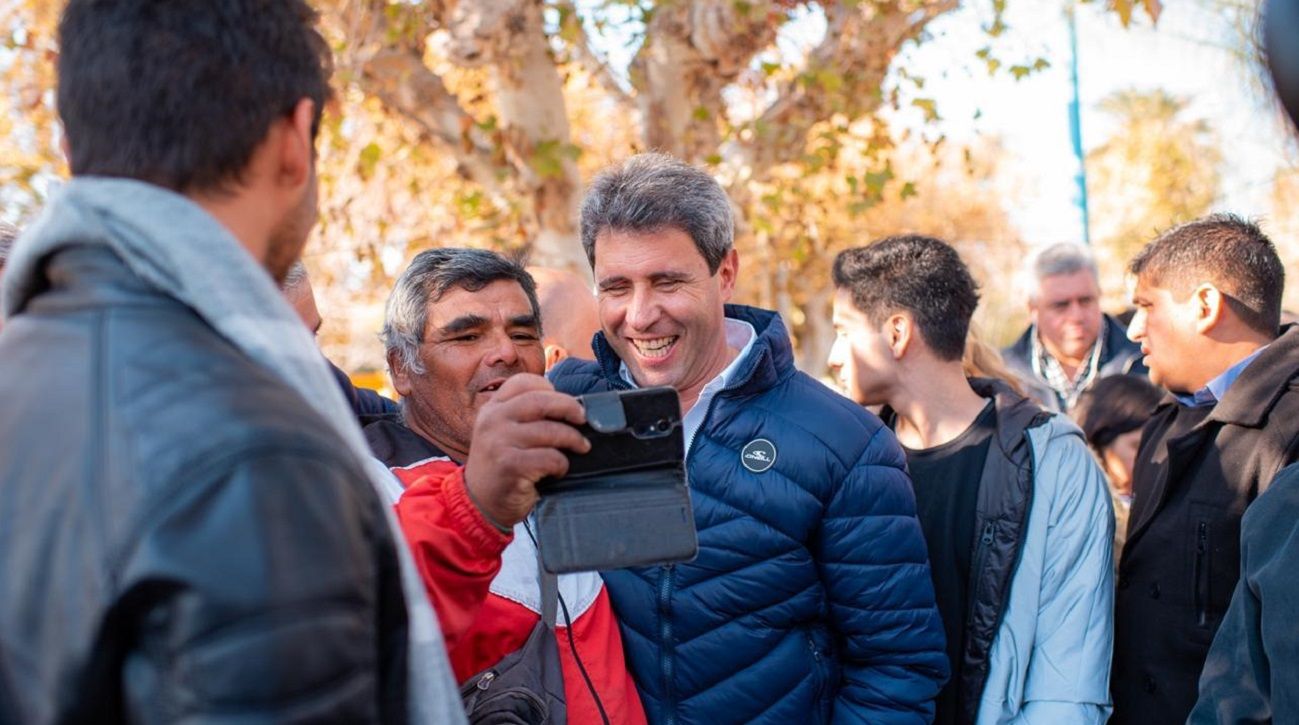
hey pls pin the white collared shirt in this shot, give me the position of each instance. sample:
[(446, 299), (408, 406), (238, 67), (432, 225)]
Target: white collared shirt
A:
[(740, 336)]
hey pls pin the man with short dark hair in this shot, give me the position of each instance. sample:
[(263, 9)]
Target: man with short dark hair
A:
[(1069, 343), (1208, 298), (810, 600), (1015, 511), (189, 530), (459, 326)]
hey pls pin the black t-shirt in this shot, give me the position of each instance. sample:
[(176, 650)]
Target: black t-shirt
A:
[(946, 481)]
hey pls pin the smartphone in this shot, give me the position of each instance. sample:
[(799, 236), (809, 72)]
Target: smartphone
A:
[(625, 502)]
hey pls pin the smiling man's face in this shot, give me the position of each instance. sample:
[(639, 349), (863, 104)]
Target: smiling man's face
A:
[(473, 341), (661, 309)]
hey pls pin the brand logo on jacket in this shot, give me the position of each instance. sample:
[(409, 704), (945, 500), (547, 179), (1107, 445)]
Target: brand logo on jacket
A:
[(758, 455)]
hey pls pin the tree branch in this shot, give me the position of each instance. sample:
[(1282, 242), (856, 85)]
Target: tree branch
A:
[(691, 52), (859, 45), (587, 57), (385, 57), (402, 81)]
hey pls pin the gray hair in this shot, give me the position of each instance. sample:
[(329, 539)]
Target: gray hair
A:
[(294, 278), (8, 233), (430, 274), (649, 192), (1061, 258)]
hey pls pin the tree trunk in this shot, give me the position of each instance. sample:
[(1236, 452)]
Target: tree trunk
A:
[(818, 331), (510, 36), (692, 51)]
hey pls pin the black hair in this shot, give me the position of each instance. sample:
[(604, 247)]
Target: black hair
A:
[(1115, 405), (1232, 253), (917, 274), (179, 93)]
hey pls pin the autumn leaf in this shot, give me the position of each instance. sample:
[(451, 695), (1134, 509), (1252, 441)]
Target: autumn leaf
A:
[(928, 105)]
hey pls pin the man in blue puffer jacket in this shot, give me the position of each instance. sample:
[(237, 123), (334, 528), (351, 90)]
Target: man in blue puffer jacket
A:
[(810, 600)]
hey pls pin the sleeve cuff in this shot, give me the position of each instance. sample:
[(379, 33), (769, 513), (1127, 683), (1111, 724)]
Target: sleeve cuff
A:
[(466, 515)]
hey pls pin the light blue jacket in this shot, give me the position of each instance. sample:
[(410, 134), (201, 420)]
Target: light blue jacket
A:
[(1050, 660)]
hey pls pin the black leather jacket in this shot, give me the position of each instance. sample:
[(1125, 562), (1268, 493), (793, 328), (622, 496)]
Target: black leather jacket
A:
[(181, 538)]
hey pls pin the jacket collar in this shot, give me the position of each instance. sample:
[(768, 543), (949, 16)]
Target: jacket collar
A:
[(1114, 341), (1251, 397), (397, 445), (1015, 413), (770, 360)]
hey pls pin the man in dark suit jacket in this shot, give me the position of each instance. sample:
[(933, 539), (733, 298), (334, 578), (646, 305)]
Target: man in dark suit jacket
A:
[(1208, 300)]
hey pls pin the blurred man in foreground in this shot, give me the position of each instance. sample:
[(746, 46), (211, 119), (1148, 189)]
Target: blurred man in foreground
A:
[(188, 531)]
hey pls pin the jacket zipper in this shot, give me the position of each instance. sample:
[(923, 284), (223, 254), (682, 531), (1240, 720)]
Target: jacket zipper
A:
[(1201, 596), (666, 664), (976, 568), (822, 670), (668, 648)]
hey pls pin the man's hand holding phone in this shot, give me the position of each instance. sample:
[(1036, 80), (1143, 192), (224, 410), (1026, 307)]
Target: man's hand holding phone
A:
[(519, 438)]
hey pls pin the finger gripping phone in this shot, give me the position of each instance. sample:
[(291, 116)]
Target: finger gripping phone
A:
[(625, 502)]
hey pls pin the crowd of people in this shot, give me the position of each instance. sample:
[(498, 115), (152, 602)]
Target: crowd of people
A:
[(203, 520)]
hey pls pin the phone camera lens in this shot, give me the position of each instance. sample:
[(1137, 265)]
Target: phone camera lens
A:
[(663, 425)]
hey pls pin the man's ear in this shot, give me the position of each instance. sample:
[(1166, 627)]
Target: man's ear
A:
[(728, 272), (296, 145), (554, 355), (401, 381), (898, 331), (1208, 304)]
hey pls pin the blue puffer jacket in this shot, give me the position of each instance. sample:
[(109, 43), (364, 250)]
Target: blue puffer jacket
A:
[(811, 599)]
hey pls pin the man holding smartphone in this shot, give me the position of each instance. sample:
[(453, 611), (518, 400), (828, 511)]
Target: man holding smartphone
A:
[(463, 335), (810, 600)]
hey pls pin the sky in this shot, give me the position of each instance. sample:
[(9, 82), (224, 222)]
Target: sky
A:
[(1186, 54)]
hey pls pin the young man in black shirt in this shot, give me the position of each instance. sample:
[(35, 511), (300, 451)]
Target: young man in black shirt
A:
[(1027, 614)]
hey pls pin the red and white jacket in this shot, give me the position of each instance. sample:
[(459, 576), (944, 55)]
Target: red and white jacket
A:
[(483, 583)]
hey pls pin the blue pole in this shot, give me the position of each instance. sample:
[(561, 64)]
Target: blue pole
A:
[(1075, 127)]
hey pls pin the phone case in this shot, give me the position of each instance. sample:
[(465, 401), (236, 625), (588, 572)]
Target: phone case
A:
[(624, 503)]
